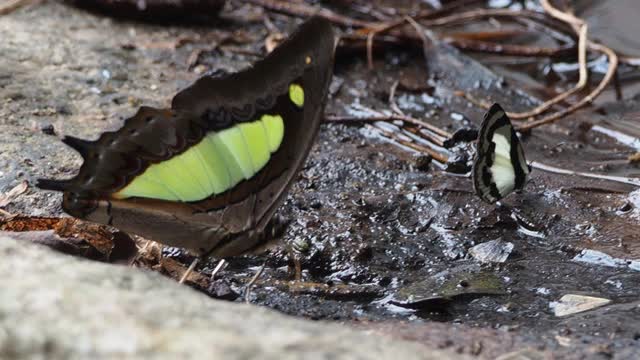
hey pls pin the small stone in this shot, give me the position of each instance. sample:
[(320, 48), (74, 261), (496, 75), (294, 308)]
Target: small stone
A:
[(48, 129), (423, 162), (573, 304), (563, 340), (220, 289), (496, 251), (626, 207)]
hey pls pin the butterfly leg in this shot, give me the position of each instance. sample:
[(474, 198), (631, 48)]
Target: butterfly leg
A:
[(297, 249)]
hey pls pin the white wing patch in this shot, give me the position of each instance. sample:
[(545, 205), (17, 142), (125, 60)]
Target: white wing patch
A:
[(502, 170)]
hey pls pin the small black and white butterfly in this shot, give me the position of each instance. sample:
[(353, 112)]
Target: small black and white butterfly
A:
[(499, 166)]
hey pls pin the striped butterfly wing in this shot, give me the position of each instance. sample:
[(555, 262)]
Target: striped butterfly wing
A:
[(500, 166), (209, 173)]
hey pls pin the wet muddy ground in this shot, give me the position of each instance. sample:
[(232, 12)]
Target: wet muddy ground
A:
[(384, 237)]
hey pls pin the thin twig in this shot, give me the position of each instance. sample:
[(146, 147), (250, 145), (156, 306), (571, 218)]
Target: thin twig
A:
[(581, 28), (509, 49), (442, 158), (304, 10), (218, 267), (438, 140), (189, 270), (613, 65), (392, 100), (386, 27), (5, 214), (555, 170), (391, 117), (141, 251), (476, 14)]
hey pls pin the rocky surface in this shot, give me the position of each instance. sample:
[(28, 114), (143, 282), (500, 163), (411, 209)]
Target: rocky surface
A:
[(378, 224), (55, 306)]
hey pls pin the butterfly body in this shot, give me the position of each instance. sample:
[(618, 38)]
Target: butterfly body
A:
[(500, 166), (209, 173)]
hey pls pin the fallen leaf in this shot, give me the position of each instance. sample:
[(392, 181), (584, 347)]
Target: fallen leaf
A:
[(51, 239), (86, 239)]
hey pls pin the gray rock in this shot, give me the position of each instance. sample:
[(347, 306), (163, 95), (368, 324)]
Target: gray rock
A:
[(56, 306), (492, 251)]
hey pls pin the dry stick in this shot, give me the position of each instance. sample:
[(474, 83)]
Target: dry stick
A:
[(582, 82), (189, 270), (508, 49), (303, 10), (480, 14), (6, 214), (580, 27), (432, 138), (632, 61), (392, 100), (611, 71), (379, 29), (218, 267), (390, 117), (394, 106), (442, 158), (570, 20), (556, 170), (547, 29), (140, 252)]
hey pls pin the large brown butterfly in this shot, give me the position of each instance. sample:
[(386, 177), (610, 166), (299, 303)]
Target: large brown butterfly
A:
[(209, 173)]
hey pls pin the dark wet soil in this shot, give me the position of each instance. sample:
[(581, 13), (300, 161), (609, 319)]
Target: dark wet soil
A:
[(383, 238)]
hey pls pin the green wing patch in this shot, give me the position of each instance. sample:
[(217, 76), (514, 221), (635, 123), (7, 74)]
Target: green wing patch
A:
[(296, 94), (216, 164)]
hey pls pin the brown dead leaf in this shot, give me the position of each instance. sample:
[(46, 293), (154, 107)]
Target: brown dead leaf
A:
[(5, 199), (105, 244), (51, 239), (25, 223), (96, 235)]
